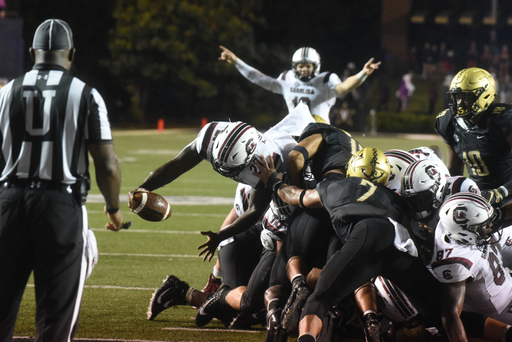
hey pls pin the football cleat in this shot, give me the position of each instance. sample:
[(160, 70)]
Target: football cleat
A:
[(244, 320), (293, 308), (372, 329), (275, 331), (213, 284), (172, 292), (215, 307)]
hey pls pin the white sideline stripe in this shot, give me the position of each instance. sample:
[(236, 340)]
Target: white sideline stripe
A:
[(152, 255), (126, 231), (173, 200), (216, 330)]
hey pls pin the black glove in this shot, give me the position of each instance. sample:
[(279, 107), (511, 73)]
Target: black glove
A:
[(495, 196)]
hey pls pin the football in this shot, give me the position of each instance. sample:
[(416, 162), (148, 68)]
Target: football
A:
[(150, 206)]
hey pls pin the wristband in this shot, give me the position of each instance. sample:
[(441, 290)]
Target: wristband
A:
[(301, 198), (112, 211), (274, 182), (303, 151), (362, 76)]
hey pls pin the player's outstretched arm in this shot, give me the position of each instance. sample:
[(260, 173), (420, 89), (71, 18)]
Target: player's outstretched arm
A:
[(108, 178), (187, 159), (356, 80), (227, 55), (258, 203)]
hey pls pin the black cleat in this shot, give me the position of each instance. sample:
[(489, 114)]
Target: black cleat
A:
[(275, 331), (172, 292), (372, 328), (293, 308), (215, 307)]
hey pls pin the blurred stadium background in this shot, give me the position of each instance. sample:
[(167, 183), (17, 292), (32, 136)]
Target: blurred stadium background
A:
[(157, 59)]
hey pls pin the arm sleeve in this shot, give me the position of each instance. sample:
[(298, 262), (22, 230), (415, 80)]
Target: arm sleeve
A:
[(259, 78)]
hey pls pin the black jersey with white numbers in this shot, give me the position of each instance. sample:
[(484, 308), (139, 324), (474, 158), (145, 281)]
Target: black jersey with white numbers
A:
[(335, 151), (350, 199), (483, 148)]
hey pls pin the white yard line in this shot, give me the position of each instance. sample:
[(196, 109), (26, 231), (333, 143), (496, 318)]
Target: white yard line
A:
[(216, 330), (174, 200)]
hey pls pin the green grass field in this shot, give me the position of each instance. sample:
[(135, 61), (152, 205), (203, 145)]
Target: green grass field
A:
[(132, 263)]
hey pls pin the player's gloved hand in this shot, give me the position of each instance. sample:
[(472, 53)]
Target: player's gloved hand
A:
[(495, 196)]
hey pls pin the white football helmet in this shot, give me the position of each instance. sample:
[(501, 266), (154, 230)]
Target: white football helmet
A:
[(393, 303), (306, 55), (399, 161), (469, 219), (234, 148), (424, 185)]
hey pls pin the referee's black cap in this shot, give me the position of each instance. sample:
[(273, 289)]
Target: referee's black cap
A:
[(53, 34)]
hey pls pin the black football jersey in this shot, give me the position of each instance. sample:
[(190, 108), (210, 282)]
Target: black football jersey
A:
[(349, 200), (336, 149), (483, 148)]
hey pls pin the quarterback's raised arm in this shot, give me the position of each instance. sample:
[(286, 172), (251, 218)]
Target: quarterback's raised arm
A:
[(356, 80), (227, 55), (250, 73)]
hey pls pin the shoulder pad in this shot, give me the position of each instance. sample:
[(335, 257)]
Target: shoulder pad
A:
[(327, 76), (283, 75), (444, 112)]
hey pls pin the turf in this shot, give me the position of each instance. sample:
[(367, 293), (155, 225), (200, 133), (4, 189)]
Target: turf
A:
[(132, 263)]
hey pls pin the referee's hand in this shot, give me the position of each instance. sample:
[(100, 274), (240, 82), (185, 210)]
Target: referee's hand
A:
[(116, 220)]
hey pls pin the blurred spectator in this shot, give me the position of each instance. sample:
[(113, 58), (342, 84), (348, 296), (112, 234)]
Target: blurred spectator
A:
[(503, 62), (432, 95), (486, 59), (405, 91), (472, 55), (413, 60), (3, 8), (445, 86), (427, 59), (383, 93), (505, 89)]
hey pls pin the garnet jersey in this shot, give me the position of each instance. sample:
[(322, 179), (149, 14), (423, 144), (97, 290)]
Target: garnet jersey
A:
[(335, 151), (318, 93), (488, 284), (483, 149)]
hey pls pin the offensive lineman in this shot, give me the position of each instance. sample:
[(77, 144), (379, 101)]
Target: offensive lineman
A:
[(304, 82), (49, 122)]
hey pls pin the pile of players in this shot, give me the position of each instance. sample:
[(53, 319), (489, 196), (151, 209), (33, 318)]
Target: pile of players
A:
[(326, 235)]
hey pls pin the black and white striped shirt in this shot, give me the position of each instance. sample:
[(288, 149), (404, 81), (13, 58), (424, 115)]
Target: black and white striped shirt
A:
[(46, 118)]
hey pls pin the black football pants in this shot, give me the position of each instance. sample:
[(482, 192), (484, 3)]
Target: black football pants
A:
[(42, 231), (369, 252)]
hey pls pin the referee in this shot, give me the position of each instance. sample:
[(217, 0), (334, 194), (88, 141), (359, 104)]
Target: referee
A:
[(49, 121)]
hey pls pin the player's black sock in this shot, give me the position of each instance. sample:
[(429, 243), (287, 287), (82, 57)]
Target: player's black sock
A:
[(306, 338)]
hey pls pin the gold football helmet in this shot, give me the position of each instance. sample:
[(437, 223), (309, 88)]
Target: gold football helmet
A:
[(471, 92), (371, 164)]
